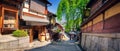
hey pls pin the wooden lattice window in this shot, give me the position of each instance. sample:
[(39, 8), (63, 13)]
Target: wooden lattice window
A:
[(9, 19)]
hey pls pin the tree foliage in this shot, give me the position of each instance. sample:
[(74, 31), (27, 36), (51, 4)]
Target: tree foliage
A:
[(73, 11)]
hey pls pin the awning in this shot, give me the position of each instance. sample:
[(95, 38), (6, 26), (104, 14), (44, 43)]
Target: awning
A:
[(34, 20), (35, 23)]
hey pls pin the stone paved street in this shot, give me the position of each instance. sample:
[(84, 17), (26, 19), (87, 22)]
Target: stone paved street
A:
[(58, 46)]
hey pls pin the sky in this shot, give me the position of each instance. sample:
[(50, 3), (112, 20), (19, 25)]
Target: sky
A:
[(54, 6)]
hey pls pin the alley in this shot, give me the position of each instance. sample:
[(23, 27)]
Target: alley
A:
[(58, 46)]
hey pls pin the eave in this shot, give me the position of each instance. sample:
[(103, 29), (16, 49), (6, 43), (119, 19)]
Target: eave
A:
[(90, 3), (46, 1), (101, 9), (13, 1), (51, 14)]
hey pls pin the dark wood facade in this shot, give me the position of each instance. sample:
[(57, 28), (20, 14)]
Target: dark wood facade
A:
[(9, 15), (101, 30), (102, 17), (34, 18), (28, 15), (51, 25)]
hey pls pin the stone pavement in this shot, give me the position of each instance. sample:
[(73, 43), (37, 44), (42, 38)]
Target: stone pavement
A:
[(37, 43), (58, 46)]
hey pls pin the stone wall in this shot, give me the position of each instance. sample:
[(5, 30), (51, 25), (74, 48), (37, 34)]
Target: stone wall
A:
[(14, 44), (102, 32), (100, 42)]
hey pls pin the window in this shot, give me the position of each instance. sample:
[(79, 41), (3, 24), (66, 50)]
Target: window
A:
[(37, 6), (26, 4), (9, 19)]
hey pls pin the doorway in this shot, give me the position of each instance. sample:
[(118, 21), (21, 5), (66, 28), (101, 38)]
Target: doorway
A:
[(35, 34)]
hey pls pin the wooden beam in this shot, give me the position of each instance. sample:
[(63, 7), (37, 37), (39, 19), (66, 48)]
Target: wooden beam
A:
[(0, 31), (31, 35), (39, 34), (13, 2), (105, 35), (45, 33), (32, 15), (114, 10), (17, 21), (2, 18), (13, 9)]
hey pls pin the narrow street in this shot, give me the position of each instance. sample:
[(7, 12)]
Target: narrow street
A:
[(59, 25), (58, 46)]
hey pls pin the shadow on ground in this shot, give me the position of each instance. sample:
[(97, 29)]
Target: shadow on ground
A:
[(57, 46)]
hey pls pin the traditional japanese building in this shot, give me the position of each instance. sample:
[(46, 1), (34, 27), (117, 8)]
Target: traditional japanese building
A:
[(34, 18), (51, 25), (101, 29), (9, 11), (51, 17)]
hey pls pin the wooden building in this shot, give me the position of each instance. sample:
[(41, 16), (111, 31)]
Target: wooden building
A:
[(101, 29), (51, 17), (9, 10), (28, 15), (51, 25), (34, 18)]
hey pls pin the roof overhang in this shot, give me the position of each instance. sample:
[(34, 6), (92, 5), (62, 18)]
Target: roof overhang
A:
[(34, 20), (51, 14), (36, 23), (90, 3), (13, 1), (99, 10), (46, 1)]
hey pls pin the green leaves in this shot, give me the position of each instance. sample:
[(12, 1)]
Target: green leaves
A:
[(20, 33), (73, 11)]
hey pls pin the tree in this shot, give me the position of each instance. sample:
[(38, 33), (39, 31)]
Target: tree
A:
[(73, 11)]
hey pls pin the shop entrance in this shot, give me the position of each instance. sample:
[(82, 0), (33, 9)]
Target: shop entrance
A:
[(35, 34)]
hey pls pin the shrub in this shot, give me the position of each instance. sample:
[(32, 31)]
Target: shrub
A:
[(20, 33)]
